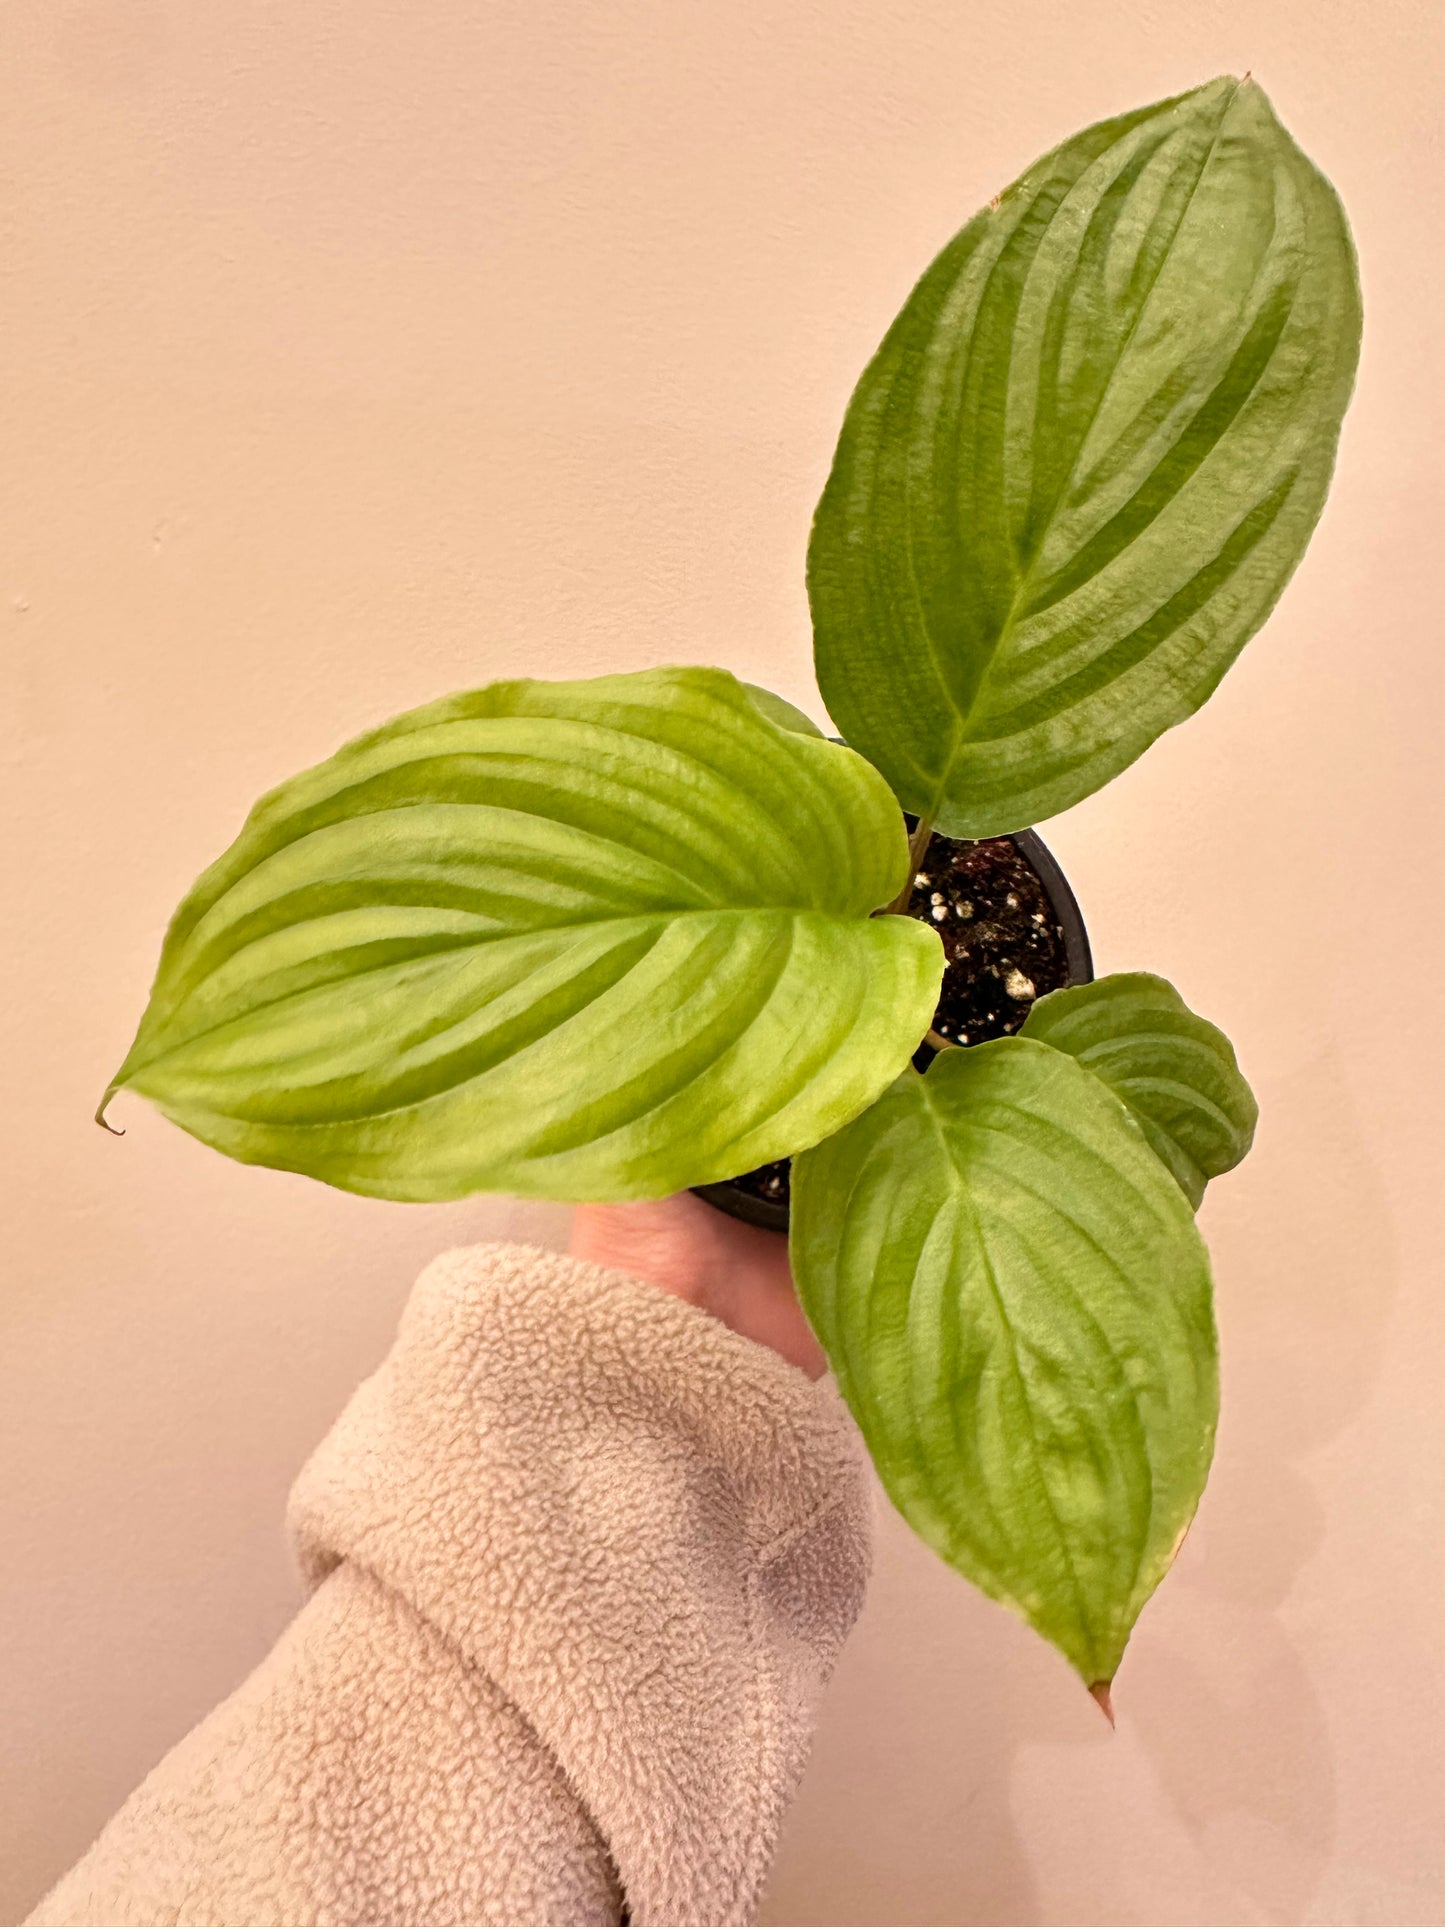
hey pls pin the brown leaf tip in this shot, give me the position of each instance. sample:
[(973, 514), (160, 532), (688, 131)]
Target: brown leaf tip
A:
[(1100, 1691)]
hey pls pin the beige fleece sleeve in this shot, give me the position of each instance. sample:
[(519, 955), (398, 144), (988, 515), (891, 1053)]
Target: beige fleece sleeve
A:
[(579, 1560)]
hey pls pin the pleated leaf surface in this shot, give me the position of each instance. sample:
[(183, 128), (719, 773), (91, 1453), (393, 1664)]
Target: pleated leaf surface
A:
[(595, 939), (1011, 1289), (1085, 460), (1175, 1070)]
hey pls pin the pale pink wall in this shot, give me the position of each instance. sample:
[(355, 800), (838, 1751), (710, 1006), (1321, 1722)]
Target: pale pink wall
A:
[(356, 352)]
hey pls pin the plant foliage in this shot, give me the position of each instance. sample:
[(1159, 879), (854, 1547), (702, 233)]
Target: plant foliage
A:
[(571, 940), (1085, 460), (1013, 1294), (606, 939)]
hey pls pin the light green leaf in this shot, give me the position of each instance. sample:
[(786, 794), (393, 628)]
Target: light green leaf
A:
[(1176, 1071), (572, 940), (779, 710), (1013, 1294), (1085, 460)]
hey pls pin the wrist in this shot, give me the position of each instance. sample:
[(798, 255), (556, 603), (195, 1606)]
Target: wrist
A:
[(734, 1272)]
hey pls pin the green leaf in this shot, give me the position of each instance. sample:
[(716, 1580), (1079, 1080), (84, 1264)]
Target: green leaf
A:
[(572, 940), (1013, 1294), (1176, 1071), (1085, 460), (779, 710)]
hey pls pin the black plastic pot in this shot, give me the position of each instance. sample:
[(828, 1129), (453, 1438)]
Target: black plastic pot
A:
[(772, 1214)]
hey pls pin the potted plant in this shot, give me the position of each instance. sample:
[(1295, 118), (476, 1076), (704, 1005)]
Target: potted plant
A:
[(608, 939)]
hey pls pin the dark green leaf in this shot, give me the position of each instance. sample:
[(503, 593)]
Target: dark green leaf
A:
[(1017, 1304), (1085, 460), (572, 940), (1176, 1071)]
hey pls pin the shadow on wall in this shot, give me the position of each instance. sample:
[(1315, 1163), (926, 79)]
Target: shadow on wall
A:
[(959, 1780), (1232, 1720), (928, 1677)]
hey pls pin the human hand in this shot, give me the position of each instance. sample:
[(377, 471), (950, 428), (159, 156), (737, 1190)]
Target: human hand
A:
[(734, 1271)]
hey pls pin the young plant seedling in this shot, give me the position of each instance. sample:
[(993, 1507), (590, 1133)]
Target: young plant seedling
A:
[(608, 939)]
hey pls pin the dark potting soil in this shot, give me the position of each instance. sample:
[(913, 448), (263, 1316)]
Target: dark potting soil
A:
[(1004, 948)]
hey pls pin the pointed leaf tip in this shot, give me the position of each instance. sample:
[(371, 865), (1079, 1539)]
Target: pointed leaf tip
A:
[(100, 1115), (1100, 1692)]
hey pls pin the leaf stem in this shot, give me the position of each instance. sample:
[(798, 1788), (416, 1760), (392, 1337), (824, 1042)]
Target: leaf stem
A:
[(917, 845), (940, 1043)]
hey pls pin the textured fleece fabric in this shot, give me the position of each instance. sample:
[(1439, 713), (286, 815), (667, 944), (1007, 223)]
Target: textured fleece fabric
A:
[(579, 1560)]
